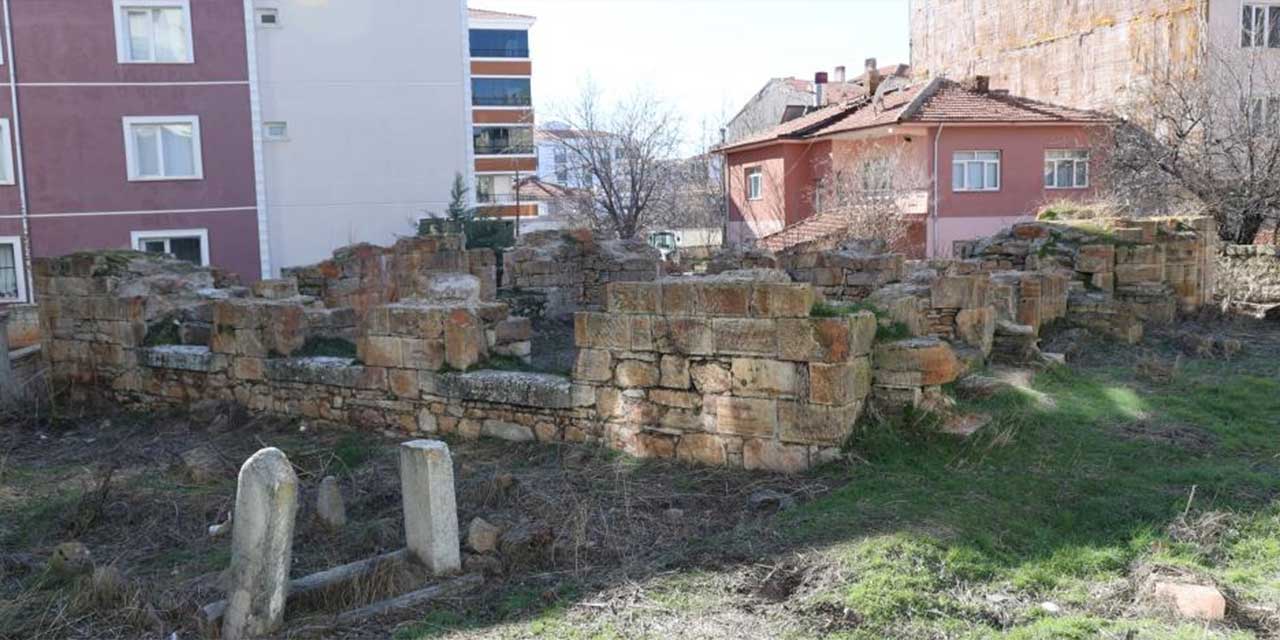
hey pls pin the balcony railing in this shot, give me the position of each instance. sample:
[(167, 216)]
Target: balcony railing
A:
[(501, 101), (503, 150), (499, 53)]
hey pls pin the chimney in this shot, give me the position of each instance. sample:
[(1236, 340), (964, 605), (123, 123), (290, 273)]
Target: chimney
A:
[(839, 74), (982, 84), (872, 76), (819, 88)]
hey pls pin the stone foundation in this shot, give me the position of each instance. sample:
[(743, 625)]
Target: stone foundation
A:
[(571, 268)]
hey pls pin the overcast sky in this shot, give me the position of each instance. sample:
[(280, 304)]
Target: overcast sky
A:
[(708, 56)]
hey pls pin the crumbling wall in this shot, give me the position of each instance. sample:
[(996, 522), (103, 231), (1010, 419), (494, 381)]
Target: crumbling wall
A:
[(1081, 54), (726, 370), (1249, 275), (571, 268)]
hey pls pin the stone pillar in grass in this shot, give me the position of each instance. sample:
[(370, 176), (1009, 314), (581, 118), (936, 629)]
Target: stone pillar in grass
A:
[(430, 509), (261, 546)]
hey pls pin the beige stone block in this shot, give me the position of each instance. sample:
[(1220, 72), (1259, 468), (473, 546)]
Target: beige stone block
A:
[(769, 455), (680, 298), (933, 358), (764, 378), (674, 372), (275, 289), (246, 368), (801, 422), (249, 342), (725, 299), (464, 340), (703, 448), (1096, 258), (959, 292), (778, 300), (608, 402), (815, 339), (633, 297), (634, 373), (602, 331), (380, 351), (593, 365), (976, 327), (754, 417), (678, 399), (642, 333), (711, 377), (428, 355), (840, 384), (403, 382), (684, 335), (745, 336)]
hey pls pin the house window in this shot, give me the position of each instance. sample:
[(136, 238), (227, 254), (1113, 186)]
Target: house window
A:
[(191, 245), (6, 153), (755, 183), (13, 281), (500, 92), (503, 140), (1264, 115), (269, 18), (975, 171), (499, 43), (877, 176), (484, 188), (163, 148), (1066, 169), (275, 131), (153, 32), (1260, 25)]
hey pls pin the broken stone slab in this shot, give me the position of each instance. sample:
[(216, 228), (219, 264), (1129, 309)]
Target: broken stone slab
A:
[(180, 357), (543, 390), (482, 536), (330, 508), (430, 508), (1200, 602), (413, 599), (261, 545)]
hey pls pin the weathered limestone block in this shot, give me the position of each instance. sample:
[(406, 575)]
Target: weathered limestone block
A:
[(933, 358), (711, 378), (827, 340), (464, 340), (261, 546), (175, 356), (330, 507), (277, 289), (770, 455), (633, 297), (745, 336), (704, 448), (976, 328), (602, 331), (840, 384), (755, 417), (804, 423), (634, 373), (593, 365), (753, 377), (430, 508), (1096, 258), (674, 372), (959, 292), (684, 335), (776, 300)]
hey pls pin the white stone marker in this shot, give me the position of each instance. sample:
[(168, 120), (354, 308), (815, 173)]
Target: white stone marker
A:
[(261, 545), (430, 510)]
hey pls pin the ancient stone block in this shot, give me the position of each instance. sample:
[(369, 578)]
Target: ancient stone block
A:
[(633, 297), (514, 330), (754, 417), (801, 422), (725, 299), (776, 300), (380, 351), (685, 335), (593, 365), (702, 448), (1096, 258), (743, 336), (602, 331), (825, 339), (464, 340), (634, 373), (711, 377), (261, 546), (275, 289), (674, 372), (430, 510), (642, 333), (770, 455), (976, 327), (506, 431), (246, 368), (764, 378), (839, 384), (680, 298), (678, 399), (933, 358), (959, 292)]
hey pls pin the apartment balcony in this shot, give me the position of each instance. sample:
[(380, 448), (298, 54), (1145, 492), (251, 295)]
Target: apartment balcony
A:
[(504, 150), (501, 101)]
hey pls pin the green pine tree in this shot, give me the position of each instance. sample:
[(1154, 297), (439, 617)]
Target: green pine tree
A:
[(458, 210)]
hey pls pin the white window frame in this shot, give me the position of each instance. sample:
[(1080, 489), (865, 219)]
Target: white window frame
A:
[(136, 238), (6, 154), (270, 137), (266, 11), (1259, 40), (998, 162), (122, 28), (755, 183), (1066, 157), (19, 263), (131, 152)]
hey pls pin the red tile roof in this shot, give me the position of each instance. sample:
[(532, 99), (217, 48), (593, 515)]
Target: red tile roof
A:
[(486, 13), (815, 228), (939, 100)]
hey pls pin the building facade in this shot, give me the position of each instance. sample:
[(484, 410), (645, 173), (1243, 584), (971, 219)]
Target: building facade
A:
[(248, 135), (986, 158), (126, 124), (503, 147)]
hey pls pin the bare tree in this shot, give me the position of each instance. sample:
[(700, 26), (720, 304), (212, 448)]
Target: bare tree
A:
[(1206, 139), (628, 149), (875, 192)]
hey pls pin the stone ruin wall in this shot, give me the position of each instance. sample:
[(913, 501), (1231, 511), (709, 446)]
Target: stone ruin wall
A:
[(570, 269), (732, 369), (1081, 54), (1250, 276)]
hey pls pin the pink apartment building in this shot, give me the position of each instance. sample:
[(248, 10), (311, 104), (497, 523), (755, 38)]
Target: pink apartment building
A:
[(999, 158), (125, 123)]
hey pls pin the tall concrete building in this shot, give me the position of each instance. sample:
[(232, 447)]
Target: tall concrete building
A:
[(503, 147), (1088, 54)]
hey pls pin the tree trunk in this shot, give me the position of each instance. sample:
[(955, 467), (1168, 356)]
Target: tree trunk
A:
[(1250, 224)]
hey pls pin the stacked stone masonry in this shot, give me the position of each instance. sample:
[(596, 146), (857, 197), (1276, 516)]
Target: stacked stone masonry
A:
[(572, 268)]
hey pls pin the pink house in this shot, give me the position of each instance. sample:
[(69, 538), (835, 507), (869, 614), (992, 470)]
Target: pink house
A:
[(999, 158)]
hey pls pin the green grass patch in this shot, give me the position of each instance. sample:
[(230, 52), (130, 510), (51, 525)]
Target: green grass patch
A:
[(887, 329)]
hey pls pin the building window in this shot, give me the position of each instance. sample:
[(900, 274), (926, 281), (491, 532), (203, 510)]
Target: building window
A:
[(499, 43), (153, 32), (6, 153), (500, 92), (1066, 169), (1264, 115), (163, 148), (13, 280), (755, 183), (484, 188), (275, 131), (268, 18), (190, 245), (491, 141), (975, 171), (1260, 25)]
